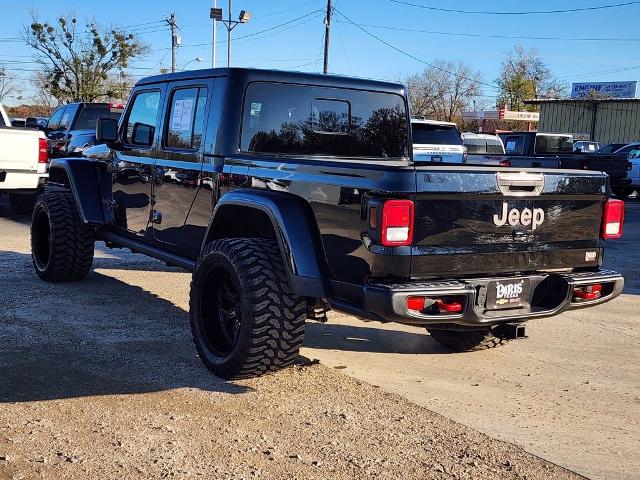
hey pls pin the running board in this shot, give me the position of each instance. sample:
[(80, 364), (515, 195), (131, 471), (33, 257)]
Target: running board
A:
[(138, 247)]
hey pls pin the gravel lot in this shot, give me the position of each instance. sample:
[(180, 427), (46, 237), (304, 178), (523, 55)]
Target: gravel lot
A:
[(100, 380)]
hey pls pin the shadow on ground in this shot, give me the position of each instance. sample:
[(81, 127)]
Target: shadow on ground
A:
[(97, 337), (331, 336)]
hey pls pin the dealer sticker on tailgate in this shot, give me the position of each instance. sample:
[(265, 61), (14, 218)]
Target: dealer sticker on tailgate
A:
[(511, 293)]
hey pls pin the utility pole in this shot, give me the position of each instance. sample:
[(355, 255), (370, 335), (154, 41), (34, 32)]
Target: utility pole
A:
[(327, 24), (229, 38), (174, 40)]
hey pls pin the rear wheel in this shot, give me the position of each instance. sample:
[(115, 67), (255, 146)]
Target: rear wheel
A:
[(61, 245), (244, 320), (623, 192), (467, 339), (22, 204)]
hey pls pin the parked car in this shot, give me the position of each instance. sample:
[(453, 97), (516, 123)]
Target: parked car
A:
[(583, 146), (634, 173), (436, 141), (18, 122), (24, 164), (484, 149), (609, 148), (553, 150), (72, 128), (314, 202), (627, 149)]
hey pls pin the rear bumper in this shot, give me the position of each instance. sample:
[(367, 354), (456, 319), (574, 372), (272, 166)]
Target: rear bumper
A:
[(551, 294), (27, 181)]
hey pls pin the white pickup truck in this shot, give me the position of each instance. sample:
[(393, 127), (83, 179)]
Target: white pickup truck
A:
[(24, 164)]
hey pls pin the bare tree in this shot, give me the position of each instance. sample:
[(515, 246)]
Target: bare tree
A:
[(43, 96), (525, 75), (444, 91), (8, 85), (79, 60)]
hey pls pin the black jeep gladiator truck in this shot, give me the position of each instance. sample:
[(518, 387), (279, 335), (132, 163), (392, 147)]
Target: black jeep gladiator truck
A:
[(287, 194), (555, 150)]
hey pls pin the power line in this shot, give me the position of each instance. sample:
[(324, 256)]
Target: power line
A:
[(531, 12), (479, 82), (512, 37), (315, 12)]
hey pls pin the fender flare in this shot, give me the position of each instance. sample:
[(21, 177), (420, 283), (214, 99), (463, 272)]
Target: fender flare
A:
[(88, 181), (295, 232)]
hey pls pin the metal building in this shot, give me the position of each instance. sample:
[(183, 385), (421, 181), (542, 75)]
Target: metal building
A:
[(612, 120)]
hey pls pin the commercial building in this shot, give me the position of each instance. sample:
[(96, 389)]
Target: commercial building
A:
[(610, 120)]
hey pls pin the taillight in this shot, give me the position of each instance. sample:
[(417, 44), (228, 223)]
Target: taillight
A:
[(612, 219), (505, 163), (397, 223), (43, 150)]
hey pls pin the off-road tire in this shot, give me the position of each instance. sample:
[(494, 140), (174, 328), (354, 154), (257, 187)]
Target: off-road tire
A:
[(271, 318), (623, 192), (461, 339), (61, 244), (22, 204)]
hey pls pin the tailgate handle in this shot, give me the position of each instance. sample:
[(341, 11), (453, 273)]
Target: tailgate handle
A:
[(520, 184)]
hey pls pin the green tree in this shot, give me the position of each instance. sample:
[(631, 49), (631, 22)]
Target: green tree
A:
[(524, 75), (80, 61)]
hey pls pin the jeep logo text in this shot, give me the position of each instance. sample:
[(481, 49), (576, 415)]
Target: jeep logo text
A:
[(527, 217)]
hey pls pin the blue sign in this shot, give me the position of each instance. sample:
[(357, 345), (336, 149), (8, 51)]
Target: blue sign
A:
[(606, 89)]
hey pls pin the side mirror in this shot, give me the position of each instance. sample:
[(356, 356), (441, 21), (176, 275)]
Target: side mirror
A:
[(106, 130), (143, 134), (31, 122)]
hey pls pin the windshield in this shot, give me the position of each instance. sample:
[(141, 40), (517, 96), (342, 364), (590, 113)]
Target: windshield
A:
[(553, 144), (313, 120), (428, 134), (90, 113)]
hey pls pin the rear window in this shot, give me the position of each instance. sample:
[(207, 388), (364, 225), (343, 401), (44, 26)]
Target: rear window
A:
[(483, 146), (311, 120), (426, 134), (90, 113), (553, 144)]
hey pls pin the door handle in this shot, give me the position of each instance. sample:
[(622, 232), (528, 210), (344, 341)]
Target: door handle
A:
[(156, 217)]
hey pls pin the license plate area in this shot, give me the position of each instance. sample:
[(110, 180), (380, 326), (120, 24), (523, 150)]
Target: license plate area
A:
[(508, 293)]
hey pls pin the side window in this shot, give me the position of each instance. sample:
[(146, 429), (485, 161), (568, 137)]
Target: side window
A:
[(67, 117), (513, 145), (185, 125), (54, 119), (141, 120)]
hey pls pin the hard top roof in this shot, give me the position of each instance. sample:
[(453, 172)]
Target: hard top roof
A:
[(247, 75)]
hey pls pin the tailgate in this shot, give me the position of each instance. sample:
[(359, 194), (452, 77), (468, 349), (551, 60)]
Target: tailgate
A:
[(19, 149), (485, 221)]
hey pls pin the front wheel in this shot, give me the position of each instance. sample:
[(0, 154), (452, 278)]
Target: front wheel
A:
[(244, 320), (61, 244), (469, 339)]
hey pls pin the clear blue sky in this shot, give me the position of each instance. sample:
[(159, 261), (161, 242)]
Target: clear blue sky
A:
[(298, 45)]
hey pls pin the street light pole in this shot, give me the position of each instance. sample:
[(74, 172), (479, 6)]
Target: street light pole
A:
[(213, 46), (244, 17)]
